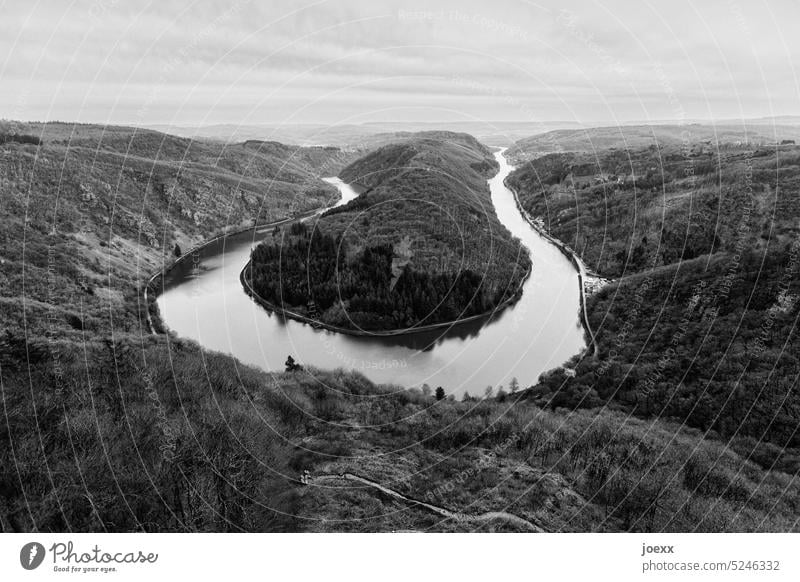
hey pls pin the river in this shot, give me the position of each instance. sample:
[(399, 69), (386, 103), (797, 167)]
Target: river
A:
[(203, 300)]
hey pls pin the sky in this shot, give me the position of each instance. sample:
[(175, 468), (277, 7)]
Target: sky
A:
[(253, 62)]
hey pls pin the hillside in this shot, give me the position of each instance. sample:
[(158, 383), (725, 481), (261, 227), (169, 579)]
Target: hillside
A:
[(633, 137), (421, 245), (699, 322), (161, 436), (93, 210), (627, 210)]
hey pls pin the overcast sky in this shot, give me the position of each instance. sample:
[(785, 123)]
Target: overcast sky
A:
[(251, 62)]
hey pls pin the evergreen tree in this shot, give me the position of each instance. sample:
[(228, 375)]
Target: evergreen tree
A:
[(291, 365), (310, 265), (439, 393)]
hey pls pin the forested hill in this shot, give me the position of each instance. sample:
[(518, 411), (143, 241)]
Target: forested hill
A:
[(700, 322), (627, 211), (444, 151), (90, 211), (421, 245)]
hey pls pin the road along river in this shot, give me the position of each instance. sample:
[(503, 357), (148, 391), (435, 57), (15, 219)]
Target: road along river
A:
[(204, 301)]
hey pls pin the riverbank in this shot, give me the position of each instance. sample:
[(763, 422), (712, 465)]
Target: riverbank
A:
[(591, 343), (155, 284)]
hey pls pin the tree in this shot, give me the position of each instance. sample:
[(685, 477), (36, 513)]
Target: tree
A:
[(310, 265), (466, 397), (177, 250), (513, 385), (488, 392), (439, 393), (291, 365), (426, 390)]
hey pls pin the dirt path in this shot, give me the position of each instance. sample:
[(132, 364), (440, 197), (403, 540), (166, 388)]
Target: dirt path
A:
[(446, 513)]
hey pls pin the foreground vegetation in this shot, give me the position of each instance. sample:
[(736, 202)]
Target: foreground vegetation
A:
[(158, 435), (421, 245)]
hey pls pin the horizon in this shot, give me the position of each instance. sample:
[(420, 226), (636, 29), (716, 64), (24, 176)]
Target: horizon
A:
[(764, 120), (198, 64)]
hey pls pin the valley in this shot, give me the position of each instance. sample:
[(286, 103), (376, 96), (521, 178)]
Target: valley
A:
[(537, 332), (199, 428)]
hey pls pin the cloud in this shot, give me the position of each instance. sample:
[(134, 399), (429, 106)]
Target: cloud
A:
[(321, 61)]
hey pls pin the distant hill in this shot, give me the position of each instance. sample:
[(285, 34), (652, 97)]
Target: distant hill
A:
[(495, 133), (93, 210), (527, 134), (633, 137), (422, 244)]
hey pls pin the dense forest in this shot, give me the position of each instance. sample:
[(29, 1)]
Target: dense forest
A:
[(698, 323), (421, 245), (361, 292)]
